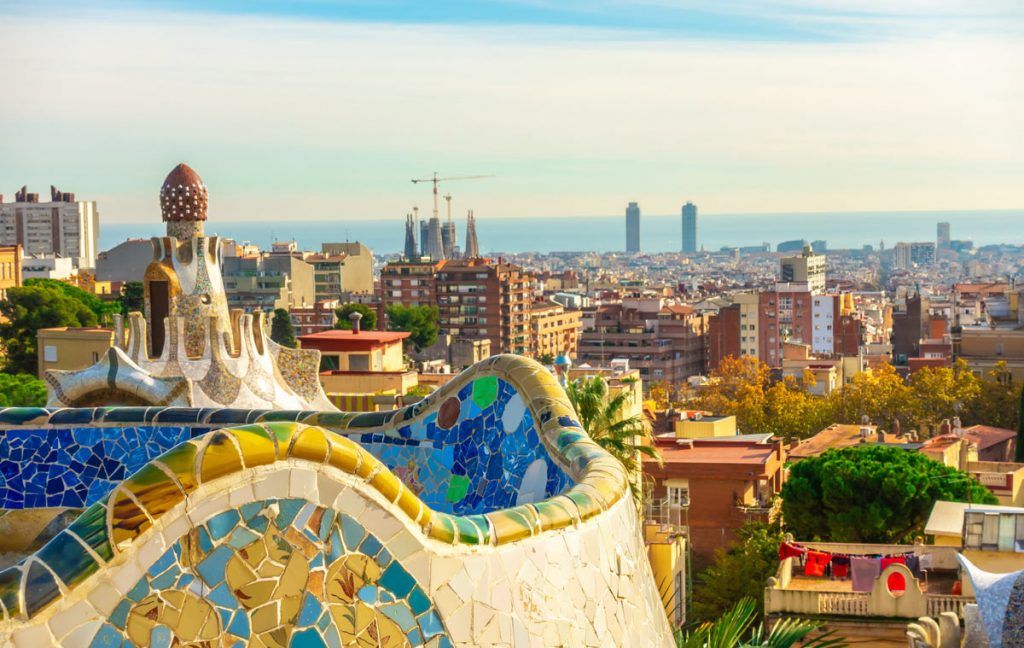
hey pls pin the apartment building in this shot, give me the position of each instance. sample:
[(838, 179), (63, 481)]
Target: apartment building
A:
[(10, 268), (268, 281), (485, 299), (662, 341), (63, 227), (409, 283), (554, 331)]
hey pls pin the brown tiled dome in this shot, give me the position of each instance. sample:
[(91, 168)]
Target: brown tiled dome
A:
[(183, 196)]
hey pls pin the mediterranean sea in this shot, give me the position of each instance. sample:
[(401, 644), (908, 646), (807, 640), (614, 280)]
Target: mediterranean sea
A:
[(659, 233)]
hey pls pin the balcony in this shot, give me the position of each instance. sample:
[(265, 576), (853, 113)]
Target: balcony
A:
[(896, 592), (672, 517)]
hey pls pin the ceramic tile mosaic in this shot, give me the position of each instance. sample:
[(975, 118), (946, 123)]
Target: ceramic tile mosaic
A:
[(276, 573), (494, 520)]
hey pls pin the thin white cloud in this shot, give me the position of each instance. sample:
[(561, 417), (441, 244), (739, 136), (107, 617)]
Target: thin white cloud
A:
[(332, 118)]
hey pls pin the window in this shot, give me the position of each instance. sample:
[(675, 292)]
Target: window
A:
[(678, 496), (50, 353)]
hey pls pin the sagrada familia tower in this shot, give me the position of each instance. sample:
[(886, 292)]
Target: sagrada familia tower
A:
[(187, 348)]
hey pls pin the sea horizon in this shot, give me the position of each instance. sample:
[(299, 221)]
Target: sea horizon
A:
[(606, 233)]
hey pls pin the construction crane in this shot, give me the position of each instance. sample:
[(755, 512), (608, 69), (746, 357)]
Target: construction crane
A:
[(436, 180)]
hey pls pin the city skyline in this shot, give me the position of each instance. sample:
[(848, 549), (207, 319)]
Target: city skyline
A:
[(796, 108)]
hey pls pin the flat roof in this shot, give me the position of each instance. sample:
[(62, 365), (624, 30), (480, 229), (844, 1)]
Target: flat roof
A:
[(947, 518), (841, 436), (715, 452), (346, 340)]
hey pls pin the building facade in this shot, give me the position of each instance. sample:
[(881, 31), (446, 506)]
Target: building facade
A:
[(807, 268), (63, 227), (633, 228), (10, 268), (689, 228), (409, 283), (554, 331), (485, 299), (264, 282)]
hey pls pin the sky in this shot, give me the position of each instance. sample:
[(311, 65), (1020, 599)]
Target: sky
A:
[(323, 109)]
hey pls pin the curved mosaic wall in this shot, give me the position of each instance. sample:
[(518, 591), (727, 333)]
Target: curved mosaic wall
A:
[(480, 516)]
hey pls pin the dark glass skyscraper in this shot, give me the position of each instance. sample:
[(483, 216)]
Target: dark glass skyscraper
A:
[(632, 228), (689, 228)]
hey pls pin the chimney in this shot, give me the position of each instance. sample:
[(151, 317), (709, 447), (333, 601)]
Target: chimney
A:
[(355, 317)]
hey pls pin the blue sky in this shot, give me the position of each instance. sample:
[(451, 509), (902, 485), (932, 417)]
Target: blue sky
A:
[(324, 109)]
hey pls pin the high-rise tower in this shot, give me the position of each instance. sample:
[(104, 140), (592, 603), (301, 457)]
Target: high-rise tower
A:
[(472, 246), (689, 228), (942, 235), (632, 228), (448, 238), (434, 245)]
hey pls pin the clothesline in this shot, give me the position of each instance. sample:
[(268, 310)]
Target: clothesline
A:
[(862, 569)]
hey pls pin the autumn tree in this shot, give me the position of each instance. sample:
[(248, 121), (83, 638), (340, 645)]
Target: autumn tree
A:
[(871, 493)]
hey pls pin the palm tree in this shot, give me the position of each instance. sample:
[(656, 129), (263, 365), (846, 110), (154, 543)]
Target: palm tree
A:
[(603, 417), (728, 631)]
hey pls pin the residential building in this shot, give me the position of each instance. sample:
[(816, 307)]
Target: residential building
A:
[(786, 314), (909, 325), (321, 316), (71, 348), (10, 268), (689, 228), (485, 299), (554, 331), (633, 227), (361, 362), (62, 227), (909, 255), (409, 283), (838, 436), (268, 281), (126, 261), (357, 266), (942, 237), (988, 535), (724, 335), (46, 266), (716, 485), (984, 347), (664, 342), (808, 268)]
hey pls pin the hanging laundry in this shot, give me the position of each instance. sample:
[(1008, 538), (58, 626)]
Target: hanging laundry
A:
[(914, 564), (816, 563), (925, 561), (787, 550), (864, 572), (841, 566), (893, 560)]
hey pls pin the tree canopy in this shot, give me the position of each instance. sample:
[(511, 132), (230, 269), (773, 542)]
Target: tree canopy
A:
[(21, 390), (103, 310), (30, 308), (367, 323), (871, 493), (419, 321), (603, 416), (281, 329), (788, 408), (133, 297)]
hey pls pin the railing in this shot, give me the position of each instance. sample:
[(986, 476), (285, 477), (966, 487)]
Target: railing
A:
[(659, 511), (1002, 481), (844, 604), (939, 603)]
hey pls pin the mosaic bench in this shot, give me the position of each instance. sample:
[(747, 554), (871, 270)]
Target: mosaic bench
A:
[(482, 515)]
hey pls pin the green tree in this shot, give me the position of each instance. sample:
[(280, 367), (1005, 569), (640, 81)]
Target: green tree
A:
[(21, 390), (103, 310), (871, 493), (741, 571), (419, 321), (281, 329), (604, 418), (737, 627), (546, 359), (30, 308), (367, 323), (133, 297)]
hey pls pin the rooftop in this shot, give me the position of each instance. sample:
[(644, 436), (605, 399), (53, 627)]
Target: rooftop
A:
[(708, 451), (380, 337), (947, 518), (841, 436)]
